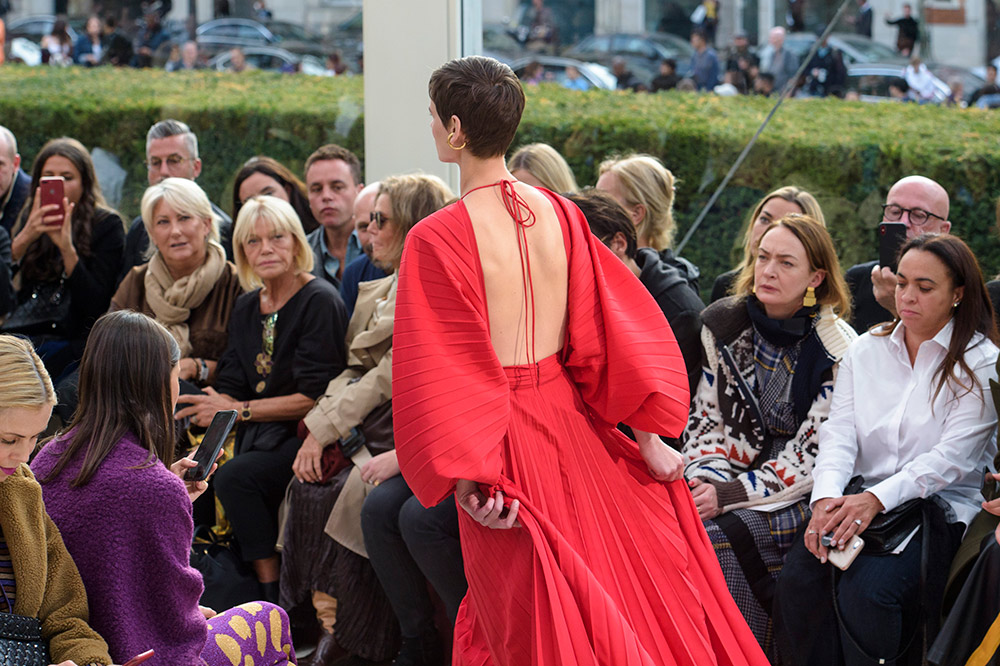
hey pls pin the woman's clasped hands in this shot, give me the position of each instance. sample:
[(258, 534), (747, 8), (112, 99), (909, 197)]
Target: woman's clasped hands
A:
[(842, 518)]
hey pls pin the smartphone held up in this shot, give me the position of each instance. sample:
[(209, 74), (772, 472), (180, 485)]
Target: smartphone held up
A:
[(211, 444), (52, 191)]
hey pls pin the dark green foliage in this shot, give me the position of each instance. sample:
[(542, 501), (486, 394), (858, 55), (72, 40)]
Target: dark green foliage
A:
[(847, 154)]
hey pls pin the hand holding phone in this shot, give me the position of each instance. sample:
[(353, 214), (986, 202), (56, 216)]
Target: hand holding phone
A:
[(211, 444), (51, 191)]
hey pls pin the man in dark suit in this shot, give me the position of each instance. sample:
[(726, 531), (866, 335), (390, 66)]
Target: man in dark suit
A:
[(863, 21), (14, 182), (922, 205)]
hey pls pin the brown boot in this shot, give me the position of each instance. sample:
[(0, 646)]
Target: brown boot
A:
[(328, 651)]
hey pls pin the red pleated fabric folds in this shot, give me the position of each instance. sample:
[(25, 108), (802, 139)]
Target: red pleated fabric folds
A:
[(609, 566)]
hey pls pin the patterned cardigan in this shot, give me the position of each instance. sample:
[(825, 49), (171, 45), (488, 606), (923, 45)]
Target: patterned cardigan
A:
[(722, 444)]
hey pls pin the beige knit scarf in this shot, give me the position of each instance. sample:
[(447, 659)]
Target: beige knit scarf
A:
[(172, 300)]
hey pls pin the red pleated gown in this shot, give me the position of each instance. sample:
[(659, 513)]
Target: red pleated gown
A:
[(609, 566)]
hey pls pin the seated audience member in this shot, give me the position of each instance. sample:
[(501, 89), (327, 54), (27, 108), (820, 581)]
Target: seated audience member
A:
[(771, 355), (68, 261), (680, 304), (15, 184), (107, 475), (314, 566), (541, 165), (171, 152), (645, 189), (987, 96), (764, 84), (89, 48), (57, 47), (333, 181), (39, 578), (151, 42), (667, 78), (774, 206), (362, 269), (119, 48), (188, 286), (190, 59), (922, 205), (286, 340), (912, 417), (268, 176)]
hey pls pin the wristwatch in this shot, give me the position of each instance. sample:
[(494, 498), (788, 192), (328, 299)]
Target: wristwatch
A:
[(245, 413)]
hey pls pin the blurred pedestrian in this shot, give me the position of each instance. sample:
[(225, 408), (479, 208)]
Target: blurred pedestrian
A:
[(667, 78), (190, 59), (777, 60), (863, 20), (987, 96), (626, 80), (909, 30), (89, 48), (704, 61), (57, 47)]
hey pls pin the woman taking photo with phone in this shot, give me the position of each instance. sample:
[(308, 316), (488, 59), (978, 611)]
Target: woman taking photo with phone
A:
[(912, 420), (68, 253), (37, 575), (126, 517)]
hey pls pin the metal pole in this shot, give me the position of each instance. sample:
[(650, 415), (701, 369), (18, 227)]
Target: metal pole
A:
[(785, 93)]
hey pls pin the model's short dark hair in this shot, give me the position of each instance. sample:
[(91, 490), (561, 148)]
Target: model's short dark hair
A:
[(606, 218), (332, 151), (486, 95)]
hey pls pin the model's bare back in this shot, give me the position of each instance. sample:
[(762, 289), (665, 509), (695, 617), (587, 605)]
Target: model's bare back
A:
[(510, 316)]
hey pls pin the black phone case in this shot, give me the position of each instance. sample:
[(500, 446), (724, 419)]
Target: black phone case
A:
[(222, 423), (891, 237)]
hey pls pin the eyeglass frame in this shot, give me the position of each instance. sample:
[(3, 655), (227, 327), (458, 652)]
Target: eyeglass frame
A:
[(909, 214), (180, 160)]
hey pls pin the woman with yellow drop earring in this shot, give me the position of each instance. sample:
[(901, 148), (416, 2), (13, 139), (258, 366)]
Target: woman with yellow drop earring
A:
[(771, 353)]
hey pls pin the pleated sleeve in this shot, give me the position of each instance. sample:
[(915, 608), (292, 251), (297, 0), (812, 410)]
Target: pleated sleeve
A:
[(450, 394), (620, 350)]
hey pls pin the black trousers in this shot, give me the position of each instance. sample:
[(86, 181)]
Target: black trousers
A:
[(409, 545), (878, 596), (251, 487)]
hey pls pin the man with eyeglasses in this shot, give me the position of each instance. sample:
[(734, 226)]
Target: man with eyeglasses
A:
[(171, 152), (922, 205)]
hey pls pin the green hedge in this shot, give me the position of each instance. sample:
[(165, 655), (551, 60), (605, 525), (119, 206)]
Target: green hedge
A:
[(847, 154)]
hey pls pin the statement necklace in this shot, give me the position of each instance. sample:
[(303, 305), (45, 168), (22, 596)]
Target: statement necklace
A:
[(263, 364)]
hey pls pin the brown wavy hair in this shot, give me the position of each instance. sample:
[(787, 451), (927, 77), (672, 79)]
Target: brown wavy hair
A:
[(42, 261), (973, 314), (294, 187)]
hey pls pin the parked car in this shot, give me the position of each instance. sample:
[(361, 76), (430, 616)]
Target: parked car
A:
[(854, 48), (554, 70), (224, 34), (272, 59), (642, 52), (871, 80), (35, 27)]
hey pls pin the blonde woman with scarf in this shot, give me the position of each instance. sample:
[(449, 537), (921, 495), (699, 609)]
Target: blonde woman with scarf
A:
[(187, 285)]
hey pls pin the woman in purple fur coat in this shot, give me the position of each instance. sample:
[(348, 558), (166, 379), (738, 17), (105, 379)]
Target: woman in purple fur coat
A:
[(126, 518)]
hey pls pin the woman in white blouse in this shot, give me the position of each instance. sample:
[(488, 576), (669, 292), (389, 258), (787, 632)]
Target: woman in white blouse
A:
[(912, 414)]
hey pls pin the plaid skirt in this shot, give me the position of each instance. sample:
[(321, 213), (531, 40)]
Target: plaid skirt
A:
[(771, 535)]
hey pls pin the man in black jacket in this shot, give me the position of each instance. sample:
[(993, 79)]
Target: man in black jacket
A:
[(922, 205), (909, 30), (14, 182), (667, 284)]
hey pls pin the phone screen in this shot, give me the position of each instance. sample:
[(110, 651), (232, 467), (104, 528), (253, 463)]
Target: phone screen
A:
[(52, 192), (211, 444)]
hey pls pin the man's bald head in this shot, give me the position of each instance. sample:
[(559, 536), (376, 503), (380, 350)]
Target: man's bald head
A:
[(364, 204), (927, 195)]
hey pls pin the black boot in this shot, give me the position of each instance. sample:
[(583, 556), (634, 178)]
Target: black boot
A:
[(425, 650)]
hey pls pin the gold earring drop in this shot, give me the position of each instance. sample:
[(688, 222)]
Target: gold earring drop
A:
[(453, 146), (809, 299)]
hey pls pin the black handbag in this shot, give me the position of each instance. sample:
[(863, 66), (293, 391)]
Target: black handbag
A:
[(45, 312), (890, 528), (21, 642), (228, 580)]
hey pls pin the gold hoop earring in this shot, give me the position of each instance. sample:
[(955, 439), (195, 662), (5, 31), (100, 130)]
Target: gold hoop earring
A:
[(453, 146), (809, 299)]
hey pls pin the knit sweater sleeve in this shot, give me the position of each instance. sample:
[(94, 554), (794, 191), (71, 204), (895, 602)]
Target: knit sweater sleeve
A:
[(704, 443)]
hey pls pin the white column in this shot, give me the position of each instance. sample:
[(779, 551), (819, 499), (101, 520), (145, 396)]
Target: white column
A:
[(619, 16), (404, 43), (765, 19)]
